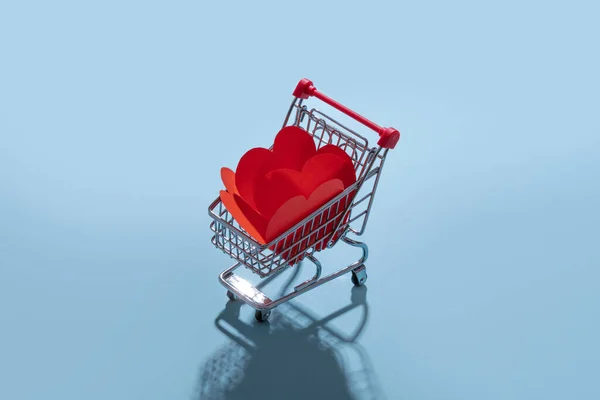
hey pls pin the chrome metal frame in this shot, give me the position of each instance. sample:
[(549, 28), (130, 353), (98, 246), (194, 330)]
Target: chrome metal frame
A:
[(307, 237)]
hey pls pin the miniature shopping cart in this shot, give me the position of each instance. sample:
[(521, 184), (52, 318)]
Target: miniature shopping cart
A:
[(268, 260)]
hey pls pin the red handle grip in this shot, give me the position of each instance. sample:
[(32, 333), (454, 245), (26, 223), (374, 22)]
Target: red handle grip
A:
[(388, 137)]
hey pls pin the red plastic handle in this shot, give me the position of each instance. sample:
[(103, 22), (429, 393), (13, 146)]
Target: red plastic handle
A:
[(388, 137)]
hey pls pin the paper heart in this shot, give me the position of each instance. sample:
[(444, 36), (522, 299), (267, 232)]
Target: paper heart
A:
[(228, 178), (292, 147), (349, 173), (296, 145), (258, 221), (296, 209), (299, 207), (274, 190), (317, 232), (289, 214), (230, 203), (278, 186), (331, 219), (255, 162)]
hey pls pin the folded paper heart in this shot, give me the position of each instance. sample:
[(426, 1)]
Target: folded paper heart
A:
[(276, 187), (228, 178), (299, 207), (292, 147), (273, 190), (317, 231)]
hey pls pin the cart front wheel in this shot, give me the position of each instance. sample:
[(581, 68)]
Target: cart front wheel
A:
[(231, 296), (262, 316), (359, 276)]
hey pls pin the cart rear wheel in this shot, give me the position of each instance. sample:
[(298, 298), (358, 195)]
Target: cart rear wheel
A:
[(359, 276), (231, 296), (262, 316)]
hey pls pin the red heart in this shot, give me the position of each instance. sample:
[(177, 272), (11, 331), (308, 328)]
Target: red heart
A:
[(274, 190), (296, 209), (296, 145), (347, 173), (230, 203), (255, 162), (325, 166), (228, 178), (291, 148), (299, 207), (278, 186), (258, 221), (334, 215)]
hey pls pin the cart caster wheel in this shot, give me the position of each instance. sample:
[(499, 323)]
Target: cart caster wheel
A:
[(231, 296), (359, 276), (262, 316)]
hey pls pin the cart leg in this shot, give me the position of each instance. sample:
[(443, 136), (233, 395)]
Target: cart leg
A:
[(360, 245), (317, 275), (262, 315), (359, 275)]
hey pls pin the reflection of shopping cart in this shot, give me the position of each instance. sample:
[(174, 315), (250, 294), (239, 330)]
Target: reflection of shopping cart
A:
[(296, 357), (323, 228)]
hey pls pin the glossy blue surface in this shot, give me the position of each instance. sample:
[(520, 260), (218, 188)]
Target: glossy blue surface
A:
[(484, 277)]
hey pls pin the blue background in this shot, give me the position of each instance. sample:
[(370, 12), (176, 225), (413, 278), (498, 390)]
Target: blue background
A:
[(116, 116)]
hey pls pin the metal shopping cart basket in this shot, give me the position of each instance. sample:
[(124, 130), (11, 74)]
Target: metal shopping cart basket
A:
[(349, 211)]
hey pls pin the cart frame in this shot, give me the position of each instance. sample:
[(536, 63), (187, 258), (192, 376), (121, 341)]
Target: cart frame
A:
[(346, 213)]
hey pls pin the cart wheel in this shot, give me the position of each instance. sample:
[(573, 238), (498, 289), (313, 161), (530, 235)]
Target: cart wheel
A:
[(231, 296), (359, 276), (262, 316)]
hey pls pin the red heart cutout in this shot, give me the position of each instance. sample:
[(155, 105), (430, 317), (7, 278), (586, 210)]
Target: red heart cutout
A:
[(291, 148), (274, 190), (258, 221), (348, 176), (255, 162), (298, 208), (348, 173), (228, 178), (295, 145), (331, 219), (230, 203), (278, 186), (326, 166)]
